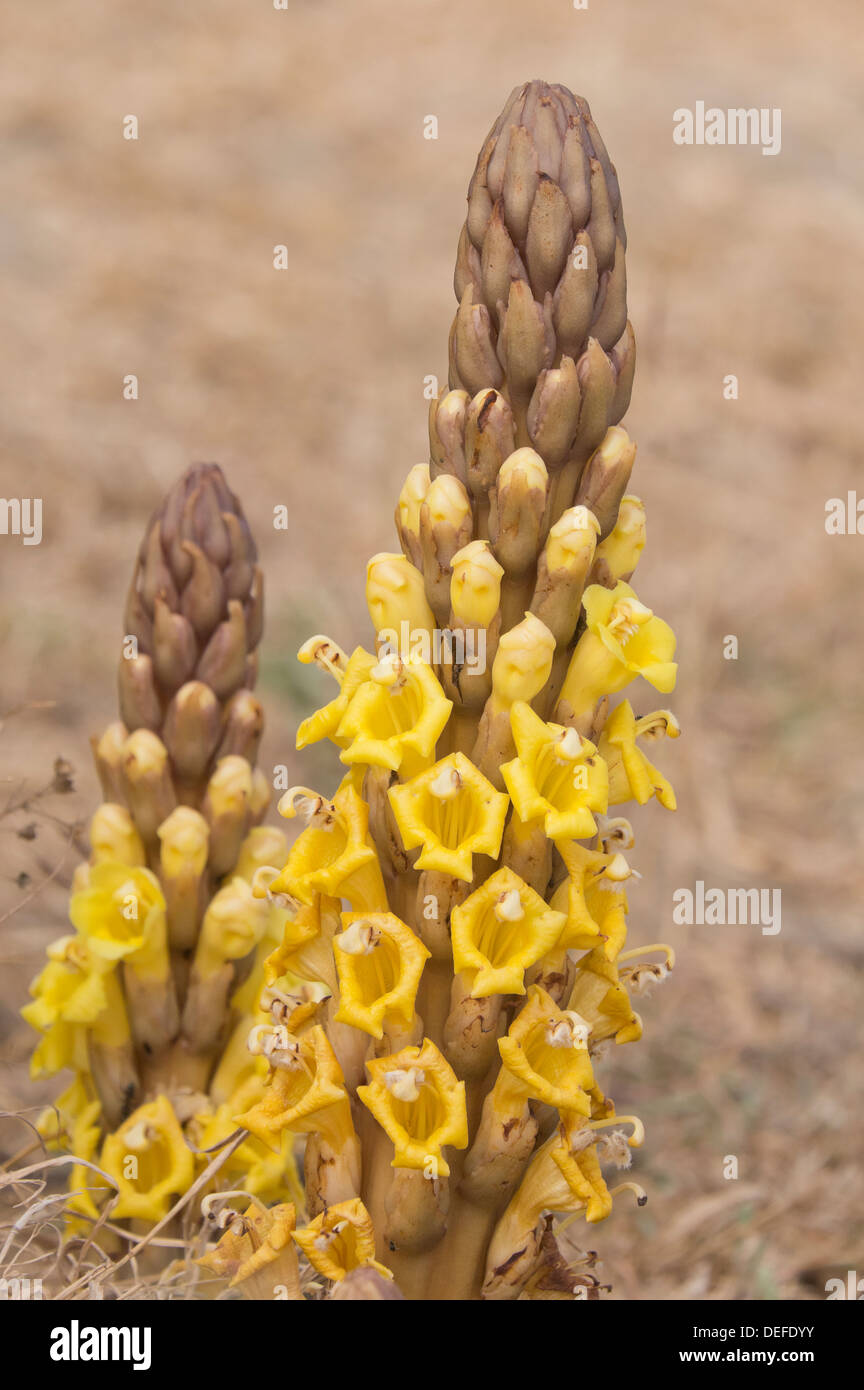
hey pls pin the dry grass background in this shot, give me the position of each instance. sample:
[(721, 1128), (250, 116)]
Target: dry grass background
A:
[(304, 127)]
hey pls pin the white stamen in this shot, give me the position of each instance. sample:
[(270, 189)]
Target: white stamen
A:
[(360, 939), (570, 1031), (405, 1083), (446, 785), (508, 907), (139, 1135), (390, 671), (568, 747)]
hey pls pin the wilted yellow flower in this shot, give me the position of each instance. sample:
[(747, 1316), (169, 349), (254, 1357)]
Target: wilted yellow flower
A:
[(340, 1239), (324, 722), (379, 961), (623, 639), (305, 949), (395, 717), (599, 997), (557, 776), (334, 854), (499, 931), (256, 1253), (545, 1055), (417, 1099), (453, 812), (149, 1160), (121, 913), (306, 1092), (631, 775)]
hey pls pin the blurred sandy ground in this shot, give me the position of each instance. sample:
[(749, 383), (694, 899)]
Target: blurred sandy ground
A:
[(304, 127)]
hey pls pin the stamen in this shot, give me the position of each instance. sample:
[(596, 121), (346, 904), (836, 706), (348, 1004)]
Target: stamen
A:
[(570, 1031), (405, 1083), (508, 906), (654, 946), (446, 785), (635, 1140), (639, 1192), (390, 671), (314, 809), (324, 653), (360, 939), (568, 746)]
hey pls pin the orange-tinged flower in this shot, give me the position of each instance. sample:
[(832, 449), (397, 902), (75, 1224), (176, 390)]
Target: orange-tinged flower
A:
[(306, 1092), (340, 1239)]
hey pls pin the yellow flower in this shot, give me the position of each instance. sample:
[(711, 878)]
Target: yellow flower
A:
[(499, 931), (595, 897), (306, 1092), (631, 775), (64, 1045), (149, 1160), (324, 722), (599, 997), (57, 1122), (334, 854), (263, 1173), (121, 913), (417, 1099), (557, 776), (83, 1181), (453, 812), (305, 949), (340, 1239), (255, 1250), (395, 717), (379, 961), (623, 639), (71, 987), (545, 1055)]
